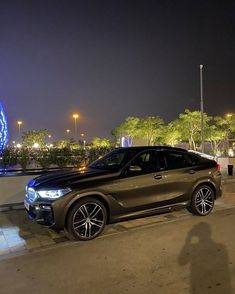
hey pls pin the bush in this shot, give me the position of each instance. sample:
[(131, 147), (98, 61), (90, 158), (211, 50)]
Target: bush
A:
[(47, 157), (23, 158), (9, 158)]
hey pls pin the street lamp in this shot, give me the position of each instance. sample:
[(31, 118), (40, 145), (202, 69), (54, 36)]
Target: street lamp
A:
[(19, 126), (202, 117), (75, 116), (67, 134), (228, 117), (84, 141), (49, 138)]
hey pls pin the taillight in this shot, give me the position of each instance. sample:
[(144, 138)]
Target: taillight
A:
[(218, 167)]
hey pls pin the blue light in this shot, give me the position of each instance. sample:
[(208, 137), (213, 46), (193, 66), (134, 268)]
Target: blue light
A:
[(3, 129), (126, 141)]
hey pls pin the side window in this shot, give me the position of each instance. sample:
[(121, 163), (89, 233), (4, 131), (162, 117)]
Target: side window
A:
[(147, 161), (193, 159), (175, 160)]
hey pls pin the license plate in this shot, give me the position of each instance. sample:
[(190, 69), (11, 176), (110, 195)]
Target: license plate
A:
[(26, 205)]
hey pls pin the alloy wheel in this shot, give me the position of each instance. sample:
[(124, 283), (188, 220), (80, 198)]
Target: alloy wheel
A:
[(88, 220), (204, 200)]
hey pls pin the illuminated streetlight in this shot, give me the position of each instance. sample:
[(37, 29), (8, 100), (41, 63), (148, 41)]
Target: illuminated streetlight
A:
[(49, 139), (84, 141), (75, 116), (19, 126), (229, 115)]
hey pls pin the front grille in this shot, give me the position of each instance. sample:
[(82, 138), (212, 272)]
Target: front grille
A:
[(31, 194)]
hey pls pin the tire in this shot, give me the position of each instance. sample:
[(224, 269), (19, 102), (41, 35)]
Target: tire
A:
[(86, 220), (202, 201)]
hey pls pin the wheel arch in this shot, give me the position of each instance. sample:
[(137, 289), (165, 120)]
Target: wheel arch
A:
[(205, 183), (94, 195)]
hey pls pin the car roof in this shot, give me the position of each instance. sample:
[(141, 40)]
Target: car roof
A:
[(158, 147)]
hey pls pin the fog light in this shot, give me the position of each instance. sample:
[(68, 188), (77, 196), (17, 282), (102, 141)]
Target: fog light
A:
[(45, 207)]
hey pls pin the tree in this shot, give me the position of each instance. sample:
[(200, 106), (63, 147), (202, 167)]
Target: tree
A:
[(35, 137), (220, 132), (150, 128), (61, 144), (101, 142), (216, 134), (189, 125), (130, 127), (171, 134)]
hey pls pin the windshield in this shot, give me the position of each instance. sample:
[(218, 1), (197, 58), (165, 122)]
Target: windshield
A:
[(114, 160)]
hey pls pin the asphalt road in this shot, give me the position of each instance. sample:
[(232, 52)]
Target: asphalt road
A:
[(184, 255)]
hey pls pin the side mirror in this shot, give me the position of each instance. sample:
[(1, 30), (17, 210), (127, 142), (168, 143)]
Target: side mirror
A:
[(135, 168)]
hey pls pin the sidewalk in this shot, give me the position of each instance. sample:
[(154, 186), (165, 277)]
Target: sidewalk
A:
[(20, 235)]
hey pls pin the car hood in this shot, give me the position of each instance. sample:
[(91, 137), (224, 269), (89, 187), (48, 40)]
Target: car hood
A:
[(65, 178)]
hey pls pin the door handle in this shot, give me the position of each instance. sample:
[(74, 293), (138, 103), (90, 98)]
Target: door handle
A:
[(158, 177), (192, 171)]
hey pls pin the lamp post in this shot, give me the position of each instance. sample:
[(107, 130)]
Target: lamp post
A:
[(75, 116), (202, 110), (228, 118), (19, 126), (84, 141), (67, 134)]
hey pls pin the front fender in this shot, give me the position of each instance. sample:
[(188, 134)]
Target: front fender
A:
[(62, 206)]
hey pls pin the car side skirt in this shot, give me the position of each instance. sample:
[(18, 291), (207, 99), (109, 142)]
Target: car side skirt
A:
[(149, 212)]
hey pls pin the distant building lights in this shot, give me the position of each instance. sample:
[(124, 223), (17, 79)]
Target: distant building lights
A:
[(125, 141), (3, 129)]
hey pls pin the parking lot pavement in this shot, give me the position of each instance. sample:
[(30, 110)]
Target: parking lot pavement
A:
[(19, 235)]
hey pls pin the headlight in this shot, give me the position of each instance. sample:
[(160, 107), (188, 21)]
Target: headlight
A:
[(53, 194)]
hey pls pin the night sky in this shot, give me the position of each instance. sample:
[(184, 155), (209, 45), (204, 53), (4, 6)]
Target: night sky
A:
[(108, 60)]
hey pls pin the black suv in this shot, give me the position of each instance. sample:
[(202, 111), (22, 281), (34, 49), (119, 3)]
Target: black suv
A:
[(125, 183)]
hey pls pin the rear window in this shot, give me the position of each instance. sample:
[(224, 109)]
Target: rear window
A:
[(197, 159)]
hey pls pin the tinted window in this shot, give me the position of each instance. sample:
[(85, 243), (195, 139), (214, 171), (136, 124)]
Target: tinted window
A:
[(176, 160), (113, 161), (194, 159), (149, 162)]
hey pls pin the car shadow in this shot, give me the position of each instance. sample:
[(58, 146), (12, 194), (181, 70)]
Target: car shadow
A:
[(208, 262)]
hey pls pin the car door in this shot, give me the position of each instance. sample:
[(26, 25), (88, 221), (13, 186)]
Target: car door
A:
[(141, 183), (180, 176)]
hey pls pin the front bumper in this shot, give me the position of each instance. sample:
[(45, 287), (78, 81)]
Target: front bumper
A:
[(42, 213)]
